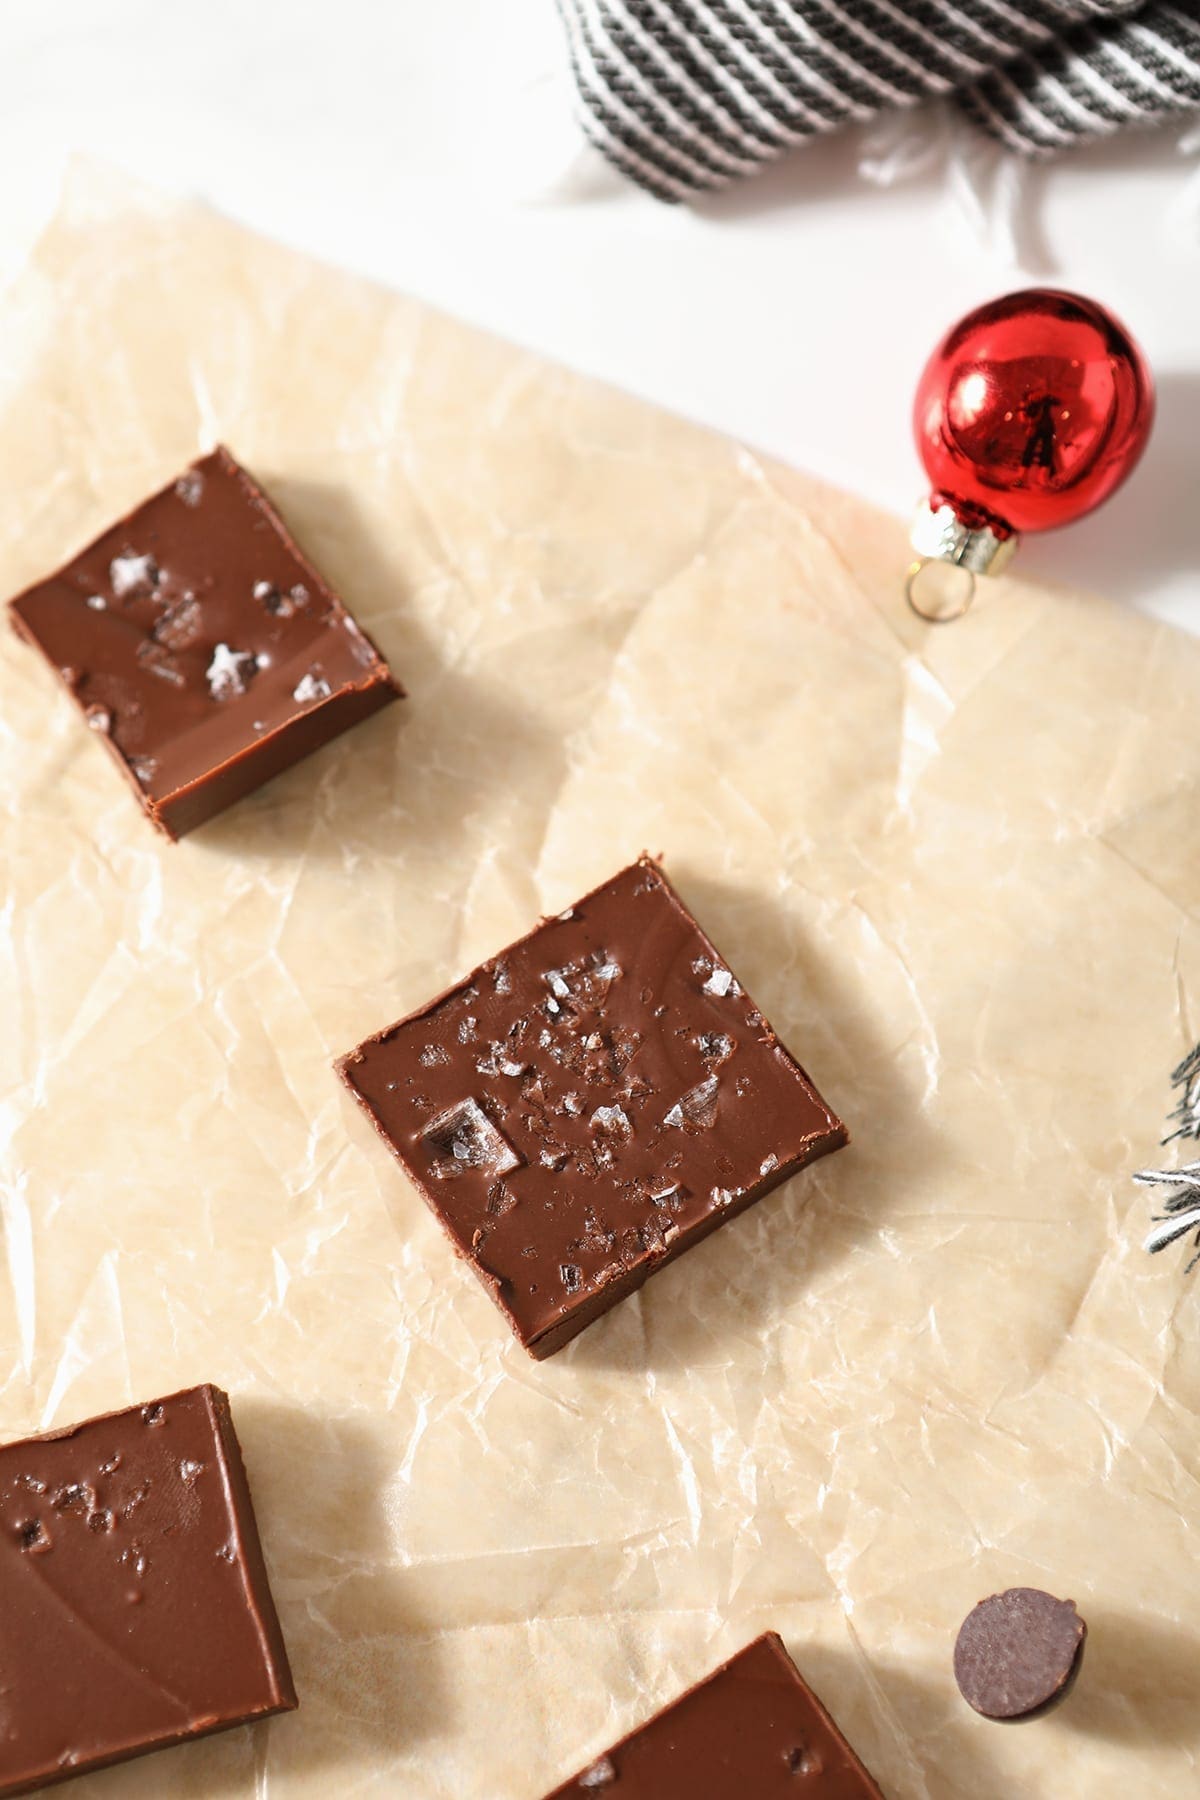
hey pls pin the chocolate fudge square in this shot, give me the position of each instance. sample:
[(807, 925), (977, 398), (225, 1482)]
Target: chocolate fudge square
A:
[(202, 647), (134, 1606), (753, 1730), (589, 1104)]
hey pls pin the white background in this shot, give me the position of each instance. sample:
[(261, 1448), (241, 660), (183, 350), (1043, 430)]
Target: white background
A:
[(430, 143)]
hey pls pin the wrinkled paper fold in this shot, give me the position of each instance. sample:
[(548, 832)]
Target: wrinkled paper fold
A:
[(959, 869)]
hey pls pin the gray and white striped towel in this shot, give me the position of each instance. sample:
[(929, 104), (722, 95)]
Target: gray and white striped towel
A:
[(689, 95)]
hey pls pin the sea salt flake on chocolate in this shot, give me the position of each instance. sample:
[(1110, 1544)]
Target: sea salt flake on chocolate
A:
[(190, 487), (310, 688), (230, 672), (181, 624), (497, 1061), (466, 1139), (32, 1535), (600, 1775), (133, 575), (281, 606), (697, 1107), (360, 645), (501, 1198), (161, 663), (801, 1760), (613, 1120)]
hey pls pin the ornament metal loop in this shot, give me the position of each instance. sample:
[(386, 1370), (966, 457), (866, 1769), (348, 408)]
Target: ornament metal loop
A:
[(934, 614)]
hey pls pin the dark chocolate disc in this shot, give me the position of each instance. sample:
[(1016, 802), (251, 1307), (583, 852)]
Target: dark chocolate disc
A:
[(1018, 1652)]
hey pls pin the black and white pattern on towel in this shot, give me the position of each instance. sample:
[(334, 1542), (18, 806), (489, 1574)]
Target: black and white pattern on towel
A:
[(689, 95)]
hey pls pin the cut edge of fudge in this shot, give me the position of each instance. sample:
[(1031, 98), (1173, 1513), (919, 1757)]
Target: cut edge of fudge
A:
[(253, 765), (260, 1603), (544, 1343), (602, 1775)]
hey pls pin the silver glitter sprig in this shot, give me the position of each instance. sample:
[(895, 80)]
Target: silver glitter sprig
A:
[(1180, 1215), (1186, 1112), (1181, 1208)]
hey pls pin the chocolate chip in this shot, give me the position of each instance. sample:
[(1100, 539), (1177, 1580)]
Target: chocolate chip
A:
[(1018, 1653)]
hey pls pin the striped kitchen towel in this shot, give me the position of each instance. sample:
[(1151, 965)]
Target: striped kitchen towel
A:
[(689, 95)]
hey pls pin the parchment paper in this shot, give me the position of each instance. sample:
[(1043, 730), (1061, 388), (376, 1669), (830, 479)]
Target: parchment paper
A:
[(959, 869)]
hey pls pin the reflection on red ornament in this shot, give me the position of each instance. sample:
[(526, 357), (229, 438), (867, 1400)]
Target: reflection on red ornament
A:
[(1028, 414)]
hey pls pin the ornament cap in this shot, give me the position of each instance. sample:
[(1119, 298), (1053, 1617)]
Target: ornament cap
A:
[(965, 539), (967, 536)]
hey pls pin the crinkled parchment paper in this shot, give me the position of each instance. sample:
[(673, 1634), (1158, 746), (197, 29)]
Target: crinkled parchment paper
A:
[(959, 868)]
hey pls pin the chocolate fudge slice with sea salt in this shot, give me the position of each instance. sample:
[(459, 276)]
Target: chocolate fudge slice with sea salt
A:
[(202, 647), (752, 1730), (135, 1611), (590, 1103)]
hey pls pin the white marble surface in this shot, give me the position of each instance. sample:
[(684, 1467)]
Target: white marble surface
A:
[(432, 146)]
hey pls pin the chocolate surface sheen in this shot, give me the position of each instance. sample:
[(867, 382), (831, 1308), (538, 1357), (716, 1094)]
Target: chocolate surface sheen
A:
[(1018, 1653), (202, 647), (752, 1731), (134, 1606), (590, 1103)]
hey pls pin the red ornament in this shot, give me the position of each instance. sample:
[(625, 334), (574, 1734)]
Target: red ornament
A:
[(1028, 414)]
